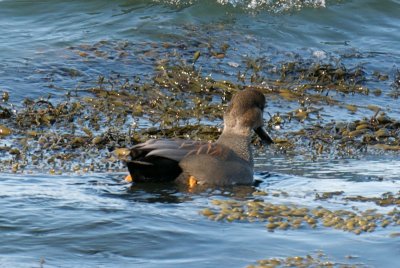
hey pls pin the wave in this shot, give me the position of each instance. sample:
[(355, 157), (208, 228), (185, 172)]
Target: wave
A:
[(275, 6)]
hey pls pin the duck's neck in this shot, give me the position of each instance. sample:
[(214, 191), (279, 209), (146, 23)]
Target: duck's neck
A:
[(238, 141)]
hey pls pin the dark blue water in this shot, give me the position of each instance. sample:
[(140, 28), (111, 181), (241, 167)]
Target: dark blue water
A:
[(95, 220)]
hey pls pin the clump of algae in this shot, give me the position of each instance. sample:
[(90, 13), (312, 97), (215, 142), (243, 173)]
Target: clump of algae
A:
[(290, 216), (178, 100), (311, 260)]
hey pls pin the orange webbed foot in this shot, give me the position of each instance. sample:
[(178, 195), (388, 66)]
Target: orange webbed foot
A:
[(128, 179), (192, 182)]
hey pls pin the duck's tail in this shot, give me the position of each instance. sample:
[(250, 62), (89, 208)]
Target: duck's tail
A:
[(155, 169)]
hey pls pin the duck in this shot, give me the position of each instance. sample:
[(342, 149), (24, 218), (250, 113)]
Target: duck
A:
[(227, 161)]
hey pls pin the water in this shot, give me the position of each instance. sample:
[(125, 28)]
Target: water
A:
[(95, 220)]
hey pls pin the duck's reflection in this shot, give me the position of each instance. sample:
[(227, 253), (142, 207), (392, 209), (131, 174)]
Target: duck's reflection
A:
[(177, 193)]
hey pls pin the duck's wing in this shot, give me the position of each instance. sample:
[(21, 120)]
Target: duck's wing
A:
[(178, 149), (158, 160), (170, 149)]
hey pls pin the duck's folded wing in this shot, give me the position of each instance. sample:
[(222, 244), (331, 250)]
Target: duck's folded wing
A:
[(173, 154), (170, 149), (158, 160), (178, 149), (158, 144)]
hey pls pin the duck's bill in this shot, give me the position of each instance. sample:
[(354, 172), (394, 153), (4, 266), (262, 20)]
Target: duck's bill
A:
[(263, 134)]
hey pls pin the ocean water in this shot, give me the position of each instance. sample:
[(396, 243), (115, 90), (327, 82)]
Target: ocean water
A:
[(96, 220)]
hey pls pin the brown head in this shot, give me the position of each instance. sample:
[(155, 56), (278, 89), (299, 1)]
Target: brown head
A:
[(245, 113)]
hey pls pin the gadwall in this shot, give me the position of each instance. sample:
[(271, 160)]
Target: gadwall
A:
[(227, 161)]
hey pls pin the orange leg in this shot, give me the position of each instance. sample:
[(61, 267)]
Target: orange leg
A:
[(192, 182), (128, 178)]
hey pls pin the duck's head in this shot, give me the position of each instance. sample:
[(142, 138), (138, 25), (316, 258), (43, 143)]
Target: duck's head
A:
[(245, 113)]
